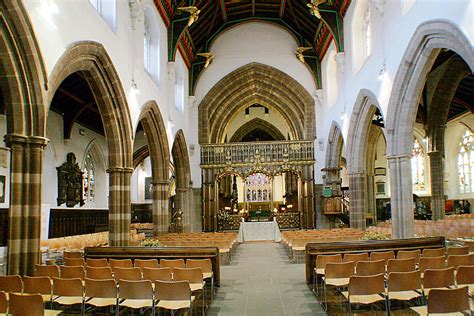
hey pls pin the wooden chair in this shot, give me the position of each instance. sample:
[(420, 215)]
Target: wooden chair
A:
[(206, 268), (356, 257), (370, 267), (195, 278), (321, 261), (465, 276), (446, 301), (433, 252), (431, 263), (407, 254), (403, 286), (172, 263), (51, 271), (102, 262), (129, 274), (72, 254), (74, 262), (72, 272), (68, 291), (460, 260), (146, 263), (100, 293), (136, 294), (11, 283), (174, 295), (401, 265), (38, 285), (379, 255), (337, 275), (437, 278), (366, 290), (120, 263), (3, 302), (99, 273), (157, 274), (462, 250), (28, 305)]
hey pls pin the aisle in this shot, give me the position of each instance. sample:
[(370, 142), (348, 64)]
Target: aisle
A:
[(261, 281)]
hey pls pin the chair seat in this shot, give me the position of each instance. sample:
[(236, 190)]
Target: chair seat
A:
[(136, 303), (207, 275), (363, 299), (50, 312), (101, 302), (319, 270), (423, 311), (403, 295), (197, 286), (298, 248), (68, 300), (427, 291), (337, 282), (46, 297), (174, 304)]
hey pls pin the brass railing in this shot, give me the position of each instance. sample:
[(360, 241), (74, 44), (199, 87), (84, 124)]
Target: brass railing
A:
[(250, 153)]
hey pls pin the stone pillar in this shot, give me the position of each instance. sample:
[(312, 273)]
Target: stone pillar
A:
[(182, 203), (161, 211), (24, 217), (358, 198), (322, 221), (403, 225), (437, 184), (209, 218), (196, 210), (308, 197), (119, 206), (371, 208)]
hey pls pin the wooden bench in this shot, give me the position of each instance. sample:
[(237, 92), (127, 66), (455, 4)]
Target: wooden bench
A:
[(158, 253), (312, 250)]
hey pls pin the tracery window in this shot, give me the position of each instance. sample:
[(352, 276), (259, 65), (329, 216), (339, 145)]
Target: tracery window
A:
[(418, 166), (151, 45), (146, 48), (466, 163), (89, 179), (258, 188), (107, 10)]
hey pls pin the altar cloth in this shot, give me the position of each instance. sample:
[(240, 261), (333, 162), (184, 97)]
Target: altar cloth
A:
[(251, 231)]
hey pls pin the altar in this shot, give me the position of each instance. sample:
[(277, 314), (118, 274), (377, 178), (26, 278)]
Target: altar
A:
[(251, 231)]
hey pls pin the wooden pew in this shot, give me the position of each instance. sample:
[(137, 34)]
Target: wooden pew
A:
[(312, 250), (158, 253)]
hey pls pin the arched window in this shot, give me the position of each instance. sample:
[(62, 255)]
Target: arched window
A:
[(89, 179), (107, 10), (466, 163), (418, 166), (151, 45)]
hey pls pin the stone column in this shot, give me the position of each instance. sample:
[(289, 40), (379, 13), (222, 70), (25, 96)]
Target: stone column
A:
[(182, 203), (308, 196), (24, 217), (161, 211), (403, 225), (119, 206), (371, 208), (358, 198), (437, 184), (208, 201), (196, 210)]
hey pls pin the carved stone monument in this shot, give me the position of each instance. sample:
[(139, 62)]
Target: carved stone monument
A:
[(70, 182)]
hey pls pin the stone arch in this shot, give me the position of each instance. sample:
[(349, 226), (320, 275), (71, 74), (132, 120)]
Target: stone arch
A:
[(428, 40), (92, 61), (358, 145), (139, 155), (334, 147), (256, 83), (159, 152), (180, 155), (271, 129), (22, 82)]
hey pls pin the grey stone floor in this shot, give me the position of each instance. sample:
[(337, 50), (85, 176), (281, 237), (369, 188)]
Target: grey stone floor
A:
[(262, 281)]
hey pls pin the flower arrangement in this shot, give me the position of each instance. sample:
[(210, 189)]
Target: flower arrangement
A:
[(223, 216), (151, 243), (373, 236)]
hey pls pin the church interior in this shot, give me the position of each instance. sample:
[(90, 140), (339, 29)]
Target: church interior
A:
[(236, 157)]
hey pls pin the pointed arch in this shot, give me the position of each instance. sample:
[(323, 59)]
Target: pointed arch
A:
[(251, 84), (181, 160), (268, 127), (334, 147)]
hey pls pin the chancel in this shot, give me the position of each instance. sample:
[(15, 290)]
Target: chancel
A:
[(236, 157)]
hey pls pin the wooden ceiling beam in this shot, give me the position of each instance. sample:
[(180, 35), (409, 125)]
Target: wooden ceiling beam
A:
[(253, 7), (71, 95), (223, 10), (282, 8)]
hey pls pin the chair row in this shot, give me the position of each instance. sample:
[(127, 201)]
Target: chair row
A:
[(171, 295), (400, 286), (23, 304)]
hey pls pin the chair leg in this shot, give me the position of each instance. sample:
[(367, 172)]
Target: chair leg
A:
[(387, 306), (349, 306)]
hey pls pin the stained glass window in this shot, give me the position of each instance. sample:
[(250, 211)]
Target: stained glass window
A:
[(89, 179), (418, 166), (258, 188), (466, 163), (146, 48)]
